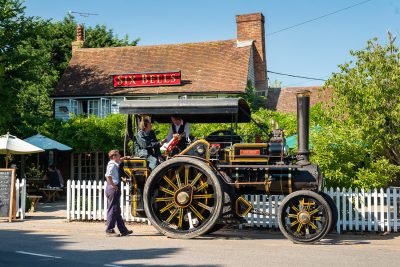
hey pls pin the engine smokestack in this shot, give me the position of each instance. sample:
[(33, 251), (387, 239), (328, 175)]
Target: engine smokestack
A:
[(303, 127)]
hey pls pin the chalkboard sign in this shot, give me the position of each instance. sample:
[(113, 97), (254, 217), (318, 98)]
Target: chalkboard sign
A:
[(7, 183)]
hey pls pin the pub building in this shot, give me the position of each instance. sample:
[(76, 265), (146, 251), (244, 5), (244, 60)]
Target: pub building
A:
[(98, 79)]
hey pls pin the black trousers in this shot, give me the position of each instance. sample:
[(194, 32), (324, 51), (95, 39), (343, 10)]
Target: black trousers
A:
[(114, 209)]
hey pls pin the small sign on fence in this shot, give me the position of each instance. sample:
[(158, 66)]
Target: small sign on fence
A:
[(7, 194)]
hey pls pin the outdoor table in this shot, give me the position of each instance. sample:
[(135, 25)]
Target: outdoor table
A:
[(34, 185), (50, 193), (34, 200)]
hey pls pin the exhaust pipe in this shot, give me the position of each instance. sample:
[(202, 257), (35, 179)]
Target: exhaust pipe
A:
[(303, 127)]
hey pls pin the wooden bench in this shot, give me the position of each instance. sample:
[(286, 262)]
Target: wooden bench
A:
[(50, 193), (34, 201)]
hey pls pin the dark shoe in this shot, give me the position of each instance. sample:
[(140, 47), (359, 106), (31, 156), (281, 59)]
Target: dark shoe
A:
[(126, 233), (110, 232)]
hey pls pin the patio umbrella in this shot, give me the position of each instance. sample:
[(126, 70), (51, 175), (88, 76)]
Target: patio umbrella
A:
[(9, 144), (46, 143)]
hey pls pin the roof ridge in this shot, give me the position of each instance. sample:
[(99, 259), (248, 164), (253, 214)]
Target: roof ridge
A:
[(154, 46)]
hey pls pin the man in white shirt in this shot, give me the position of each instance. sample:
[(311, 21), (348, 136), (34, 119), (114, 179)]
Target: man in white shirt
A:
[(179, 129), (113, 194)]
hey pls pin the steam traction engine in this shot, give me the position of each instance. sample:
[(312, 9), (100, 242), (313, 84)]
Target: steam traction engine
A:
[(200, 190)]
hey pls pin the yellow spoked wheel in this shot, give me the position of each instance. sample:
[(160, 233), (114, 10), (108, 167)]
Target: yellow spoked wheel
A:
[(305, 217), (183, 198)]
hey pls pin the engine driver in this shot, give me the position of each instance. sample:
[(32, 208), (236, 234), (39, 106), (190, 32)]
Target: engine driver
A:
[(179, 131)]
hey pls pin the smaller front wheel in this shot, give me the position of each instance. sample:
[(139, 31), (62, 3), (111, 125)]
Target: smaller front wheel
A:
[(304, 217)]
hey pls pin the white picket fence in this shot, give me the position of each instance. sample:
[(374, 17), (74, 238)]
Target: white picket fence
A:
[(359, 210), (375, 210), (86, 200), (20, 189)]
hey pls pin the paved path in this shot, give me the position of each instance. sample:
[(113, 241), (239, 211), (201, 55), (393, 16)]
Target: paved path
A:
[(46, 239)]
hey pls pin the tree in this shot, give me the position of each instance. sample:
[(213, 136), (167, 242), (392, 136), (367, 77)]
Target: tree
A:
[(15, 29), (99, 36), (250, 95), (362, 143), (33, 55)]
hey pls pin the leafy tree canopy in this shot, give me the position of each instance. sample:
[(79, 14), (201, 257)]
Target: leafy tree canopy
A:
[(255, 101), (33, 55), (361, 145)]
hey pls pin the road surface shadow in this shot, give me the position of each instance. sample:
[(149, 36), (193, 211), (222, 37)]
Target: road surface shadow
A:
[(26, 248), (333, 238)]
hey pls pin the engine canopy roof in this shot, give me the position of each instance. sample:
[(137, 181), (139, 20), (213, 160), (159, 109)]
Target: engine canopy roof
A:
[(216, 110)]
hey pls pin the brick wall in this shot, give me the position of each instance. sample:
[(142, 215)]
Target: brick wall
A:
[(251, 27), (284, 99)]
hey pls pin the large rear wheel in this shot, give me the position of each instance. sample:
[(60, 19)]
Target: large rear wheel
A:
[(304, 217), (183, 198)]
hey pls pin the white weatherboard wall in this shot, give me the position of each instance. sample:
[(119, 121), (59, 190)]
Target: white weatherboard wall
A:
[(359, 210), (63, 112)]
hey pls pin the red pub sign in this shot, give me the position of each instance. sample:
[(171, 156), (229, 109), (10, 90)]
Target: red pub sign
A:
[(147, 79)]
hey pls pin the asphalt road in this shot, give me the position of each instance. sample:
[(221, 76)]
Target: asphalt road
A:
[(51, 241)]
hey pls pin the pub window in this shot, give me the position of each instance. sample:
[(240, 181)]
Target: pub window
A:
[(93, 107), (73, 106), (105, 107), (87, 167)]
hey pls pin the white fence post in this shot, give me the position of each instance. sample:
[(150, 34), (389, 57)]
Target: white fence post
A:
[(356, 209), (20, 198), (350, 194), (127, 202), (344, 206), (338, 208), (395, 225), (276, 206), (369, 210), (90, 200), (264, 200), (78, 200), (73, 200), (389, 222), (17, 197), (69, 200), (95, 191), (103, 187), (23, 197), (362, 210), (375, 210), (270, 211), (83, 189), (382, 205)]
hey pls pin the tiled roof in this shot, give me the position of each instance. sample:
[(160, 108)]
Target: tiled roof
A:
[(218, 66), (284, 99)]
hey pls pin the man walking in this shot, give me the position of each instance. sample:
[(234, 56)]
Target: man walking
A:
[(113, 193)]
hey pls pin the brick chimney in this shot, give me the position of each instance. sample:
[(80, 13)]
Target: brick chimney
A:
[(251, 27), (80, 38)]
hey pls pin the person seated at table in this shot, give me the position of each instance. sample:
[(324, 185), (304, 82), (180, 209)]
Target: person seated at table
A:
[(60, 177), (147, 145), (51, 178)]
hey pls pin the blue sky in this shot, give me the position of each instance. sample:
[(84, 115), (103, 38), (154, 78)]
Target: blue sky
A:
[(314, 49)]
